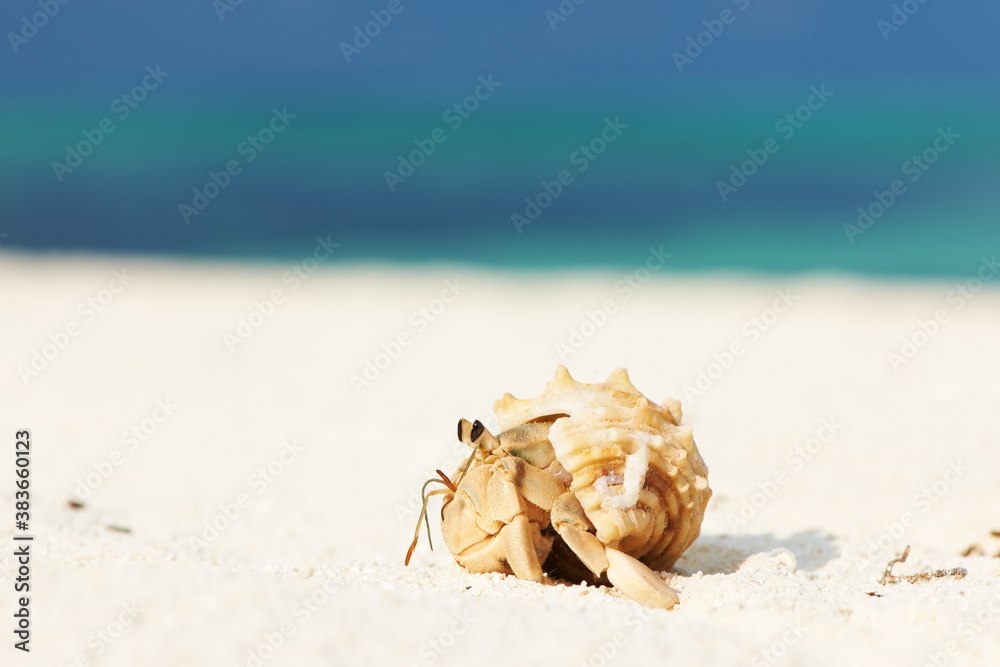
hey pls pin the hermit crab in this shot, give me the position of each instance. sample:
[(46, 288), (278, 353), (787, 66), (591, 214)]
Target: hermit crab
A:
[(589, 482)]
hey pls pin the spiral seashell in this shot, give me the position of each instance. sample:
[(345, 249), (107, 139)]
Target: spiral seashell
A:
[(634, 468)]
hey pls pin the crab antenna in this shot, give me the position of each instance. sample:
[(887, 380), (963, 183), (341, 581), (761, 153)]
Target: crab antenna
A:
[(465, 467), (475, 435), (447, 481), (423, 516)]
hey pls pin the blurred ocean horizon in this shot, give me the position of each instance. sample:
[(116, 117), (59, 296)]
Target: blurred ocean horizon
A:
[(656, 183), (489, 191)]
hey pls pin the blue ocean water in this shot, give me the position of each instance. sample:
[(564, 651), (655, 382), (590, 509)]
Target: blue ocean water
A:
[(793, 182), (609, 127)]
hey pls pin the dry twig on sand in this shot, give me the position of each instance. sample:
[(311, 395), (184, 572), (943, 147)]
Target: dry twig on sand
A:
[(889, 578)]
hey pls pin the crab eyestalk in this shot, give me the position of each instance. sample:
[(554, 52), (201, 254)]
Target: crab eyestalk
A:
[(477, 436)]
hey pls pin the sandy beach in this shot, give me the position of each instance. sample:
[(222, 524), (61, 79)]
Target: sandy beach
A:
[(246, 445)]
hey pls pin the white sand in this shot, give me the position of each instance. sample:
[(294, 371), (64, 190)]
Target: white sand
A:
[(789, 586)]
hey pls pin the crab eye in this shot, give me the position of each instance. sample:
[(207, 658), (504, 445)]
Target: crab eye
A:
[(477, 436)]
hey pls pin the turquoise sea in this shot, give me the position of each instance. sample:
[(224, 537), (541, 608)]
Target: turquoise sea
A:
[(797, 167)]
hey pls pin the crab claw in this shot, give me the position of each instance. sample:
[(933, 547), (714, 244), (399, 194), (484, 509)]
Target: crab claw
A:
[(630, 576), (638, 582)]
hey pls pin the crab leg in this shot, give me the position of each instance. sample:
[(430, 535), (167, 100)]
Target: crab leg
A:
[(627, 574), (573, 526), (515, 538), (507, 506)]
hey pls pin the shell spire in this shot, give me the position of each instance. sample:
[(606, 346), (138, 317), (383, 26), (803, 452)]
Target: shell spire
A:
[(562, 378), (619, 380), (561, 394)]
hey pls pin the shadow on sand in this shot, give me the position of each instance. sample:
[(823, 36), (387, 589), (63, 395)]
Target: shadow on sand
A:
[(723, 554)]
